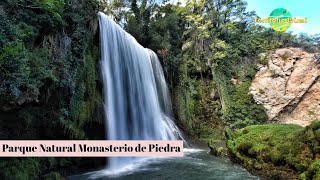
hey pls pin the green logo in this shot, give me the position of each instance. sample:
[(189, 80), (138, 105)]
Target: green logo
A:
[(280, 19)]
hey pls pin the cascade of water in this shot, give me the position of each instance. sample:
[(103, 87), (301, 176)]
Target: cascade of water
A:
[(137, 100)]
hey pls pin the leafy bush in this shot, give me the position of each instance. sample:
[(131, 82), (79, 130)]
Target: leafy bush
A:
[(243, 110), (55, 7)]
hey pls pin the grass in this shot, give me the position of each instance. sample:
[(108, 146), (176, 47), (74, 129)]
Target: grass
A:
[(278, 150)]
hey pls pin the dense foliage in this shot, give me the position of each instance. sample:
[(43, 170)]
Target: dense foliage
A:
[(209, 48), (48, 79)]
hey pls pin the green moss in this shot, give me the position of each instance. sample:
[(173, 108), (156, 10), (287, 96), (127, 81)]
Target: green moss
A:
[(224, 89), (216, 149), (313, 171), (283, 147)]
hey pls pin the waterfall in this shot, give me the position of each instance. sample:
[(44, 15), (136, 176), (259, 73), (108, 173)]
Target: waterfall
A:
[(136, 97)]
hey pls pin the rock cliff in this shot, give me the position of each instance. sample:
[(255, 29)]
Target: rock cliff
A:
[(288, 86)]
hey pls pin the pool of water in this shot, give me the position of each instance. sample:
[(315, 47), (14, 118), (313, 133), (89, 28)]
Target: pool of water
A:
[(196, 164)]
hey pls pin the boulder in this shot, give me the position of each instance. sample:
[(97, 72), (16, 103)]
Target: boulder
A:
[(289, 86)]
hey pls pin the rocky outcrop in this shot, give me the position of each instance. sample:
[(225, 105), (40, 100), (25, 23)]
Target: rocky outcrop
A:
[(289, 86)]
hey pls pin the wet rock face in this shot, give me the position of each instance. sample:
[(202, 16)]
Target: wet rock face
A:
[(289, 86)]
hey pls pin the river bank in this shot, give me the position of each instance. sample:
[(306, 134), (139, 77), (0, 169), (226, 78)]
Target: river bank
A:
[(281, 151)]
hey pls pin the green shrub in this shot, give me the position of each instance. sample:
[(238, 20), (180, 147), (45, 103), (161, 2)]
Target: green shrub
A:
[(262, 59), (243, 110)]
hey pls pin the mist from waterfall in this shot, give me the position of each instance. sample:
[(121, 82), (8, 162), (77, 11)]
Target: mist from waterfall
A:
[(136, 97)]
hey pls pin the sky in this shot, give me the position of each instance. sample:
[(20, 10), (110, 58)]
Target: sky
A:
[(298, 8)]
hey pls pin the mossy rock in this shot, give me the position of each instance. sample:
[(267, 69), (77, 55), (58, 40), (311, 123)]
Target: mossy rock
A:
[(277, 150), (313, 171), (216, 151), (228, 133)]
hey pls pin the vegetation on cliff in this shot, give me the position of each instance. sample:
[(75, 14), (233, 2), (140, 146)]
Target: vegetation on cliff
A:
[(49, 84), (280, 151), (210, 61)]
